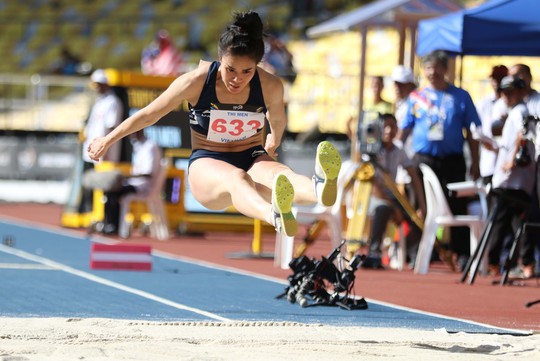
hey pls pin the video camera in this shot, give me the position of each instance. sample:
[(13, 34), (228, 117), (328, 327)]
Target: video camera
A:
[(369, 133), (523, 157), (308, 285)]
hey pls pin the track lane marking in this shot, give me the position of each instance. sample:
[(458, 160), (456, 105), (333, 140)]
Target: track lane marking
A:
[(106, 282)]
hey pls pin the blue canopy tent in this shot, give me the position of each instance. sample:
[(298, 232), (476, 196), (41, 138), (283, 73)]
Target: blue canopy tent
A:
[(497, 27)]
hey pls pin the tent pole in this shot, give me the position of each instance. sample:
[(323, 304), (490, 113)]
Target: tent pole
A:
[(363, 49), (412, 50), (402, 36), (461, 70)]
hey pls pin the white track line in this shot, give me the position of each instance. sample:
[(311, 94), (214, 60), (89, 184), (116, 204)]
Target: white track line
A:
[(103, 281), (26, 266)]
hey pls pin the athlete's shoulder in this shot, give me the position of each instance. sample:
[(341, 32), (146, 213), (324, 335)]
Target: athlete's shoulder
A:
[(195, 76), (265, 75), (269, 81)]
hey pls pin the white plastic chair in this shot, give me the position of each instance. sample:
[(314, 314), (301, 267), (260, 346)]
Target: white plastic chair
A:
[(284, 247), (439, 214), (159, 228)]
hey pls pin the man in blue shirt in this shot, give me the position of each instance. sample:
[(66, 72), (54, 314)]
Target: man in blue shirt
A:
[(438, 115)]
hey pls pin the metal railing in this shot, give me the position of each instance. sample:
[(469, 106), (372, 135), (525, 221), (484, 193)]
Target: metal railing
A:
[(44, 102)]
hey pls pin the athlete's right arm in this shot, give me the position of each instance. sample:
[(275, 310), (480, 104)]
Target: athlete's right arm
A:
[(186, 87)]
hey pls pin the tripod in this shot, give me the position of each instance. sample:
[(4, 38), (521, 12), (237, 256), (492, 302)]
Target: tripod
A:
[(473, 264), (368, 172)]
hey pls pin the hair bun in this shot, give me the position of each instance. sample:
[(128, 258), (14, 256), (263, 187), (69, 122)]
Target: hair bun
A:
[(248, 23)]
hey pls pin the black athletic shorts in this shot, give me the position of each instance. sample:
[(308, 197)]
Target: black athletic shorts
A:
[(243, 160)]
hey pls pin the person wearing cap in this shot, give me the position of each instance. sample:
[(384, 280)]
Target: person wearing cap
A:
[(436, 118), (532, 100), (105, 115), (491, 109), (512, 182), (404, 84)]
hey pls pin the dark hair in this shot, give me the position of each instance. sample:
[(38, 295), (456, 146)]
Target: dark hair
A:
[(523, 69), (243, 37), (388, 116), (437, 56)]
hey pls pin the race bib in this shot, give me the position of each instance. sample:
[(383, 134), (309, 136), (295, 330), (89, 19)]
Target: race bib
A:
[(233, 125)]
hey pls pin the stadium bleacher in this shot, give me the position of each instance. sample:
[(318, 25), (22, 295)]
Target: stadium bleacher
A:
[(112, 33)]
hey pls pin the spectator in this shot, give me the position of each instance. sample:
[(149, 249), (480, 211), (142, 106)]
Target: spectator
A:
[(372, 111), (279, 60), (67, 64), (382, 205), (512, 183), (404, 84), (531, 241), (160, 57), (490, 109), (105, 115), (437, 115), (145, 165), (378, 104)]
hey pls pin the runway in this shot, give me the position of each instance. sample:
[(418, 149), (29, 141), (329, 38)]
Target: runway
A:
[(46, 273)]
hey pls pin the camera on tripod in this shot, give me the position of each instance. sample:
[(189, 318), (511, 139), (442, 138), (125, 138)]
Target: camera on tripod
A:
[(523, 156), (308, 285), (369, 133)]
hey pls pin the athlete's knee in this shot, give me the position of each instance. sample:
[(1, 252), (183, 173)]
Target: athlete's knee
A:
[(280, 169)]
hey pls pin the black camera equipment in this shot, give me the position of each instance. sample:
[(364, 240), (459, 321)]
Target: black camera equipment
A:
[(321, 283), (523, 157), (369, 133)]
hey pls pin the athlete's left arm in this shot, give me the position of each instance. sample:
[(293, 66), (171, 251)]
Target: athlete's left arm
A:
[(273, 96)]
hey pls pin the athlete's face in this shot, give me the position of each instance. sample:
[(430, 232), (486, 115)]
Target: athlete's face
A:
[(237, 72)]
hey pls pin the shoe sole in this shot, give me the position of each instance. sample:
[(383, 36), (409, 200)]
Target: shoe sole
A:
[(282, 199), (329, 161)]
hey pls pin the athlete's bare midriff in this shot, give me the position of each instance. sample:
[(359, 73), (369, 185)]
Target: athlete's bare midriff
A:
[(199, 141)]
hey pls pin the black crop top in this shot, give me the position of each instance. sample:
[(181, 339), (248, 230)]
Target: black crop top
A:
[(199, 114)]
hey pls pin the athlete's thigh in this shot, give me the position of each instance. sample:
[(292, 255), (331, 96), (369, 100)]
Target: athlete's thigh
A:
[(209, 181), (265, 169)]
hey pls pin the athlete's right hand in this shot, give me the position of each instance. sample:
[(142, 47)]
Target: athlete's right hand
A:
[(97, 148)]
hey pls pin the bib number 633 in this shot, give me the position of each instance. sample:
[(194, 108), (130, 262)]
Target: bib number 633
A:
[(227, 126)]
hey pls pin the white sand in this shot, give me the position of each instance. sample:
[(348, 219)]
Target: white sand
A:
[(60, 339)]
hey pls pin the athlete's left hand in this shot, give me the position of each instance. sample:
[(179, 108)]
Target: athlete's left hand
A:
[(271, 145)]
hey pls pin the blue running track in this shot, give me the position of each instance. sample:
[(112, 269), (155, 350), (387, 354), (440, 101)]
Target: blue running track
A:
[(46, 273)]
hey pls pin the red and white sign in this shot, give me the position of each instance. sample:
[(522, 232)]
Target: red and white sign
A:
[(135, 257)]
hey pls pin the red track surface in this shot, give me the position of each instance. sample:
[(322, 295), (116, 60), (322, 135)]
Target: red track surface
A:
[(440, 291)]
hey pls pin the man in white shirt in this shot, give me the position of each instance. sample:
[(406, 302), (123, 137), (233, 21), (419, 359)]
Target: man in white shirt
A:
[(531, 239), (105, 115), (145, 165), (487, 109), (512, 182)]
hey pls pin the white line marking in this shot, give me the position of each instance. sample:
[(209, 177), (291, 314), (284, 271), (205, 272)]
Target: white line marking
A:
[(103, 281), (24, 266), (121, 257), (284, 282)]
